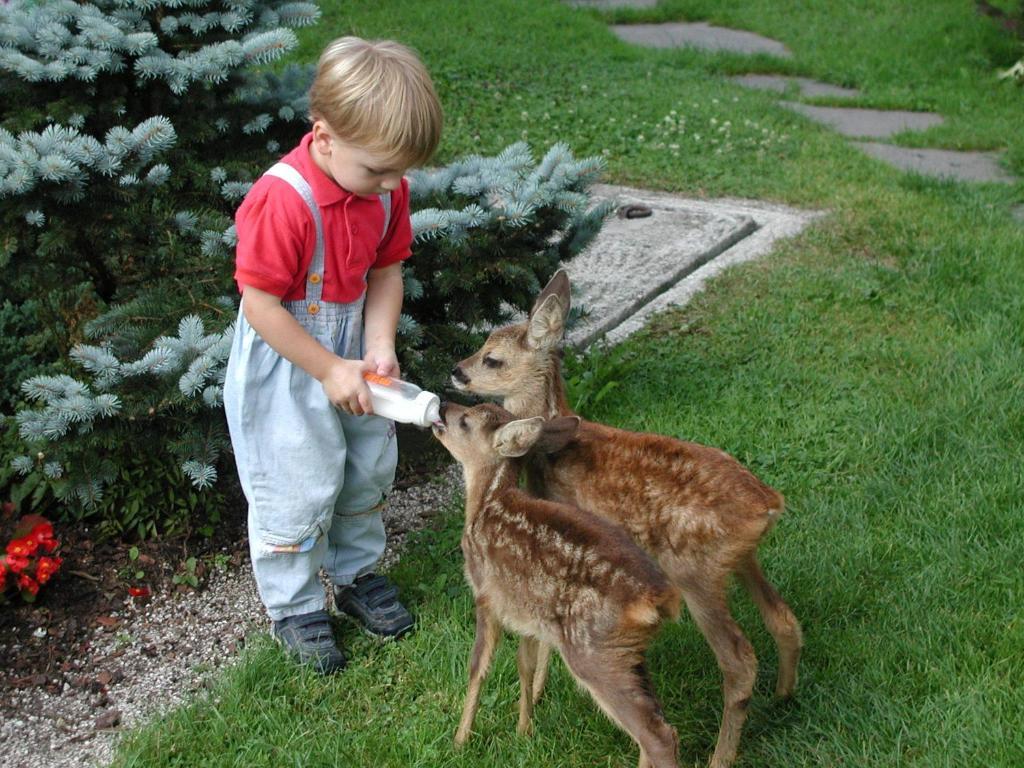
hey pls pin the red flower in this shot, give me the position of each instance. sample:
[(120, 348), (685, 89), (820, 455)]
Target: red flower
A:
[(25, 547), (17, 563), (3, 572), (42, 530), (46, 567), (138, 591), (26, 584)]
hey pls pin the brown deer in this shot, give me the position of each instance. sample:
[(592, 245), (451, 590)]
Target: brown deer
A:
[(555, 576), (695, 509)]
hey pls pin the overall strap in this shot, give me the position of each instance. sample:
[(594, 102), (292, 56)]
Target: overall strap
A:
[(385, 200), (315, 278)]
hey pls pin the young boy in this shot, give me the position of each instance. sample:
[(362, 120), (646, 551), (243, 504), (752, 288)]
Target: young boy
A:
[(321, 238)]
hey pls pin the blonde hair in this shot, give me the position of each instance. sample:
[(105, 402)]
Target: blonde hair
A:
[(378, 96)]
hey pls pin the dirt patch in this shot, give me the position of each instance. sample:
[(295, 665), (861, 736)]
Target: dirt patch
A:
[(47, 644)]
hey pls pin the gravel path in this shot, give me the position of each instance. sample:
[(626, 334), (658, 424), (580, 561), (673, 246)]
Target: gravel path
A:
[(170, 647)]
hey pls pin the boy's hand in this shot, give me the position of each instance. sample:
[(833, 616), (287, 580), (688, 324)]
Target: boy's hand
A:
[(383, 362), (345, 388)]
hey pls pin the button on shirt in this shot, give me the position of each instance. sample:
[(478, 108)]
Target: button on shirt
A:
[(276, 234)]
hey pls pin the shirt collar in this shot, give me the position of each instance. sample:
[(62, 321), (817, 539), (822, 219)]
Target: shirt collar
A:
[(325, 190)]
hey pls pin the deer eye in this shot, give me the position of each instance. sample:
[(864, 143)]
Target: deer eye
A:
[(490, 362), (462, 423)]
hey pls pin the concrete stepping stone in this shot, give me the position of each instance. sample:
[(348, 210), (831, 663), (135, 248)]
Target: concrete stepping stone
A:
[(609, 4), (866, 123), (806, 86), (940, 163), (639, 266), (699, 35)]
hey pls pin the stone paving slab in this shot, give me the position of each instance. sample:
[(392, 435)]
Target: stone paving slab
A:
[(699, 35), (806, 86), (866, 123), (940, 163), (638, 267), (608, 4)]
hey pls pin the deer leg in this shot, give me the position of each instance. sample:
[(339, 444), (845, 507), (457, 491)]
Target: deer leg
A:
[(736, 659), (540, 676), (780, 621), (488, 632), (526, 660), (626, 696)]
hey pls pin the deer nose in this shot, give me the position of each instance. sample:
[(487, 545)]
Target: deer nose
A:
[(459, 376)]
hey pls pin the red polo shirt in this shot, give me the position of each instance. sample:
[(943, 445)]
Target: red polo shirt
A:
[(276, 234)]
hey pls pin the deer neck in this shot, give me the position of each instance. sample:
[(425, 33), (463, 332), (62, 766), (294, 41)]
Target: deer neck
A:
[(484, 482), (542, 394)]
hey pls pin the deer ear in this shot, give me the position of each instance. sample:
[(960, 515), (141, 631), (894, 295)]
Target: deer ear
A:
[(557, 433), (546, 324), (518, 437), (558, 286)]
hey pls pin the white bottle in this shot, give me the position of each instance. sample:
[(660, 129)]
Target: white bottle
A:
[(401, 401)]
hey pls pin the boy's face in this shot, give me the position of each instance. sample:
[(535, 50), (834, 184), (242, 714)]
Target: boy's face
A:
[(351, 167)]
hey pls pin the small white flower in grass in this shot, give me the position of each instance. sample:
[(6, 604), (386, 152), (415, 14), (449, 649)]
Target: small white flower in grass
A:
[(584, 87)]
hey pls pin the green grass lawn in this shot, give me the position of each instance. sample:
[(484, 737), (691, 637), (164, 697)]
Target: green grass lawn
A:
[(869, 369)]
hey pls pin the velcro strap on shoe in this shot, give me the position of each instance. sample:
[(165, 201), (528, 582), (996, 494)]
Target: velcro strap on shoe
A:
[(313, 627), (376, 592)]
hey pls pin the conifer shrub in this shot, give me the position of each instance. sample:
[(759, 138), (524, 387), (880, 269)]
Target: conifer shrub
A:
[(133, 130)]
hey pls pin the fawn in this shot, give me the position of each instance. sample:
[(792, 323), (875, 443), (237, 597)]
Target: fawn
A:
[(557, 576), (695, 509)]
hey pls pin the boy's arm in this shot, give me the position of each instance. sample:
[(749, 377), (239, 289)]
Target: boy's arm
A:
[(342, 379), (384, 293)]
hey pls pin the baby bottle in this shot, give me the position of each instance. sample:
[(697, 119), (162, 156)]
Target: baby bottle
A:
[(401, 401)]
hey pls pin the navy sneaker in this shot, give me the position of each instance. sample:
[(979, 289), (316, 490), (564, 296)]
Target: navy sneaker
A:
[(309, 639), (373, 601)]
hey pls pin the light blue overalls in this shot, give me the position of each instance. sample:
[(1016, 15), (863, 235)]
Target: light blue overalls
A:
[(314, 477)]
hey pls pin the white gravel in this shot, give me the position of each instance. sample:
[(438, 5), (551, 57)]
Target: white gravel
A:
[(171, 646)]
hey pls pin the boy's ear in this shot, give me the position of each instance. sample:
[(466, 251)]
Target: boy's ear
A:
[(557, 433), (322, 138), (517, 437), (558, 286), (546, 324)]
